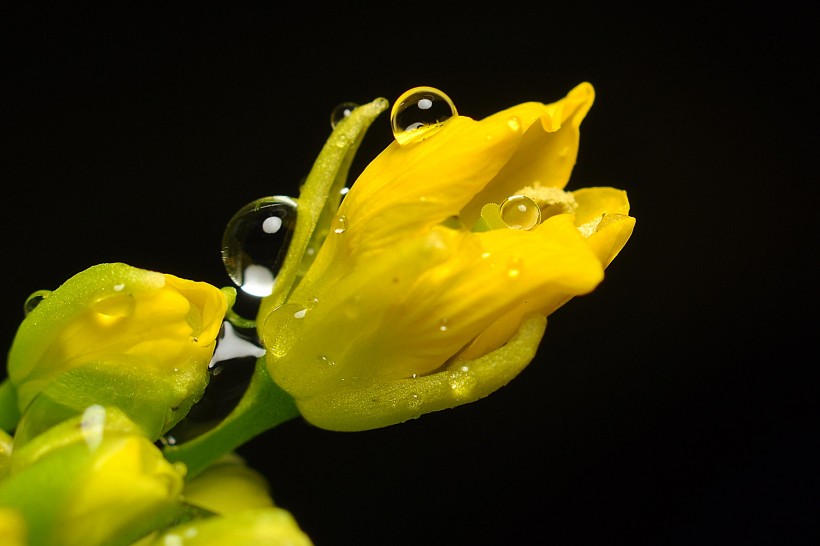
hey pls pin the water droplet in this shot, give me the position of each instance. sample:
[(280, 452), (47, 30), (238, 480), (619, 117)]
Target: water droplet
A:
[(419, 113), (115, 306), (341, 112), (442, 325), (340, 224), (92, 425), (34, 300), (414, 402), (326, 361), (514, 268), (168, 440), (462, 382), (520, 212), (514, 124), (230, 345), (300, 313), (255, 243)]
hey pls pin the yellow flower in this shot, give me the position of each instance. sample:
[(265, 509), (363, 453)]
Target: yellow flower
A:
[(108, 334), (445, 258)]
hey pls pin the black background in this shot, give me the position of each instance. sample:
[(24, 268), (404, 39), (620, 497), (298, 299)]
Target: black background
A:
[(670, 406)]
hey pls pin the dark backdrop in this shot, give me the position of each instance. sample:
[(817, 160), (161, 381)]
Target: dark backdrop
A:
[(670, 406)]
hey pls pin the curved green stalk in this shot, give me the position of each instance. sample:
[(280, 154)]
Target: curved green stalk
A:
[(263, 407)]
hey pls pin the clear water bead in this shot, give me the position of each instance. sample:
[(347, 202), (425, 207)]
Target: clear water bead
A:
[(255, 243), (419, 113), (340, 224), (34, 300), (341, 112), (520, 212)]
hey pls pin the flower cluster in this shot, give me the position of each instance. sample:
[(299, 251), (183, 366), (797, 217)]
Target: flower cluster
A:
[(428, 286)]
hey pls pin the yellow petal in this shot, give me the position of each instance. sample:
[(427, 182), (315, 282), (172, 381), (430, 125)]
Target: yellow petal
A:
[(407, 311), (545, 156), (413, 187), (603, 216)]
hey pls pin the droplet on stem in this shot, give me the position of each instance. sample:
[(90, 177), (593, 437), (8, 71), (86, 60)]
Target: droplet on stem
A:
[(419, 113), (341, 112), (34, 300)]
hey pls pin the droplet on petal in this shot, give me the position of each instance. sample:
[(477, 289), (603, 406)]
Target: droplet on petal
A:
[(520, 212), (114, 306), (514, 267), (341, 112), (256, 241), (34, 300), (340, 224), (419, 113), (325, 360)]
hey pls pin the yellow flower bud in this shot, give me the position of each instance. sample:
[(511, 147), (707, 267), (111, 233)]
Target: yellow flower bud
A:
[(109, 333), (447, 254), (228, 486), (245, 513), (92, 484), (268, 526)]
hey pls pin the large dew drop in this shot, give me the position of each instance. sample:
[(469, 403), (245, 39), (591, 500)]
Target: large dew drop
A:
[(255, 243), (520, 212), (419, 113)]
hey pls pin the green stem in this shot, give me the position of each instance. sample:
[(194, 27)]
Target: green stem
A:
[(319, 193), (263, 407), (9, 413)]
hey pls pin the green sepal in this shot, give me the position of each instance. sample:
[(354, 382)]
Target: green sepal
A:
[(385, 403), (263, 406), (319, 198)]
